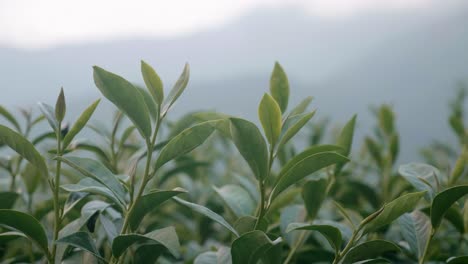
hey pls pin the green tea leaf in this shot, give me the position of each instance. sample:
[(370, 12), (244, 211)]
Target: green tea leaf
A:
[(148, 253), (149, 202), (60, 107), (331, 233), (294, 129), (95, 170), (153, 109), (79, 124), (186, 141), (314, 193), (7, 199), (92, 186), (391, 211), (421, 176), (237, 199), (279, 86), (251, 145), (126, 97), (25, 224), (301, 107), (304, 164), (416, 230), (177, 90), (24, 148), (247, 223), (250, 247), (369, 250), (345, 140), (81, 240), (443, 201), (165, 236), (49, 113), (270, 117), (153, 82), (208, 213), (8, 116)]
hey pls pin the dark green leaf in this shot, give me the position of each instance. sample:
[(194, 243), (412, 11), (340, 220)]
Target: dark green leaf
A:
[(458, 260), (60, 107), (186, 141), (369, 250), (314, 193), (251, 145), (304, 164), (149, 202), (345, 140), (153, 82), (443, 201), (79, 124), (391, 211), (148, 253), (81, 240), (126, 97), (250, 247), (247, 223), (331, 233), (279, 86), (7, 199), (25, 224), (24, 148), (165, 236)]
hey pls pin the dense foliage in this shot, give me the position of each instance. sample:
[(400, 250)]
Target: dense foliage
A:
[(212, 188)]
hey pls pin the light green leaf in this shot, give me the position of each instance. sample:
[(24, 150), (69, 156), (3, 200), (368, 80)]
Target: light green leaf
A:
[(314, 193), (279, 86), (8, 116), (270, 117), (24, 148), (345, 140), (369, 250), (150, 104), (92, 186), (304, 164), (391, 211), (25, 224), (95, 170), (79, 124), (49, 113), (186, 141), (165, 236), (250, 247), (153, 82), (177, 90), (237, 199), (208, 213), (331, 233), (301, 107), (251, 145), (126, 97), (81, 240), (149, 202), (294, 128), (443, 201), (416, 230)]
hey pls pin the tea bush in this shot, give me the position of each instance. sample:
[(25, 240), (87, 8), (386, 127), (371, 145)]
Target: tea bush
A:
[(213, 188)]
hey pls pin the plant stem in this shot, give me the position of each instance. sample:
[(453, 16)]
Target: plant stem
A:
[(295, 247), (56, 190), (426, 247), (348, 246), (261, 186)]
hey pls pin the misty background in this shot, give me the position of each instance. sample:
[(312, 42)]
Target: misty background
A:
[(410, 56)]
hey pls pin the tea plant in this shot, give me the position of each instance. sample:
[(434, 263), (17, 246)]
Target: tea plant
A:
[(214, 188)]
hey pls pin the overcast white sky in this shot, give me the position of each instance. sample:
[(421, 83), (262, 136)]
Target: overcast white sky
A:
[(46, 23)]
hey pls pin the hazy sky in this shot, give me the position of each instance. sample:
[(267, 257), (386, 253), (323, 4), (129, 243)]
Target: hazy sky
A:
[(46, 23)]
